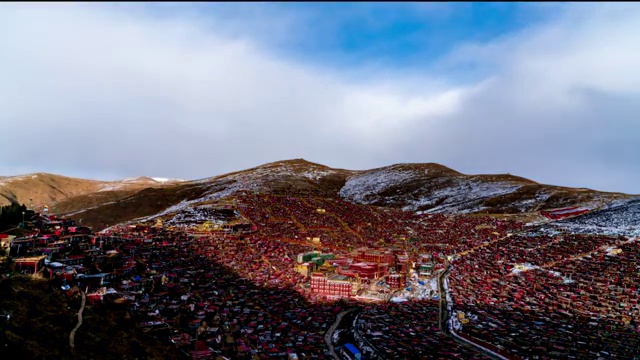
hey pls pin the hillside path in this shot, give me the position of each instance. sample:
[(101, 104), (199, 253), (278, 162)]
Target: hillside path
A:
[(72, 336), (329, 334)]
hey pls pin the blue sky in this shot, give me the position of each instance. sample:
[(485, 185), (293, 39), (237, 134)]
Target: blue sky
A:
[(409, 34), (191, 90), (394, 35)]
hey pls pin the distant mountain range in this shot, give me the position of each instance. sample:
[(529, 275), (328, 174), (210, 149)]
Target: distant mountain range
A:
[(429, 187), (47, 189)]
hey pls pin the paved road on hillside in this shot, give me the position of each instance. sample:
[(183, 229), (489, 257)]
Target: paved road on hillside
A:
[(444, 316), (332, 329), (72, 336)]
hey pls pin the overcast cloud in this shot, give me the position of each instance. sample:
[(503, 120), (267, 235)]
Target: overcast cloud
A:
[(95, 91)]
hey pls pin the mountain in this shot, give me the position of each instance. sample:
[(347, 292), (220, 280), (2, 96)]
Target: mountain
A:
[(618, 217), (429, 187), (435, 188), (48, 189), (145, 180), (291, 177)]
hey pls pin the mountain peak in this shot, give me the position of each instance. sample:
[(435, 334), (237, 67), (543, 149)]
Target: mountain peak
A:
[(428, 186), (294, 163), (137, 179), (434, 167)]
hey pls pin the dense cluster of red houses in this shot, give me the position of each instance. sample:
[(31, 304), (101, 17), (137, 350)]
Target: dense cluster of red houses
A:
[(188, 296), (409, 330), (242, 294), (569, 294)]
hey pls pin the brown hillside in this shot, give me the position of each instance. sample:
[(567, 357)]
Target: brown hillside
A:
[(48, 189), (142, 203), (95, 199), (44, 189)]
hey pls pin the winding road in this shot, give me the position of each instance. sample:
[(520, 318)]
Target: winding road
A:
[(445, 325), (332, 329), (72, 336)]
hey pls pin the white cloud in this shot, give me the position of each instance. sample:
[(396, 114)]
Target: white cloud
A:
[(102, 90), (559, 107), (145, 95)]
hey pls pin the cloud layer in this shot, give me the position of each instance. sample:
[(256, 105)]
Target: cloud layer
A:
[(100, 92)]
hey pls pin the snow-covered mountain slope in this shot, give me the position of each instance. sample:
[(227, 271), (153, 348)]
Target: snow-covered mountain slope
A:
[(414, 187), (438, 189), (618, 218), (148, 180), (166, 180), (137, 182), (289, 177)]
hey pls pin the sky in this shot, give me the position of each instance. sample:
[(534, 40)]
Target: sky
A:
[(191, 90)]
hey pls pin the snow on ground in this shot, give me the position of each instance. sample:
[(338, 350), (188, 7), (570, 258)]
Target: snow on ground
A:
[(121, 184), (398, 299), (464, 198), (315, 175), (621, 217), (527, 205), (139, 180), (257, 178), (618, 203), (518, 268), (8, 179), (192, 216), (129, 180), (111, 187), (219, 190), (336, 335), (165, 180), (451, 195), (172, 209), (359, 188), (419, 289)]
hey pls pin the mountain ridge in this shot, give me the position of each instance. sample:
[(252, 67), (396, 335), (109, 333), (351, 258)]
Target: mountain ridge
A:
[(46, 189), (426, 187)]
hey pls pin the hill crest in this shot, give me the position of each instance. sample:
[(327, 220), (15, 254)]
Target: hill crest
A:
[(427, 187)]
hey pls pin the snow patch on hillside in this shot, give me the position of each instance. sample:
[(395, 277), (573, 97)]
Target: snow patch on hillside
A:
[(9, 179), (315, 175), (132, 180), (255, 180), (270, 172), (111, 187), (464, 198), (166, 180), (620, 217), (439, 194), (362, 188), (529, 204), (142, 180), (219, 190)]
